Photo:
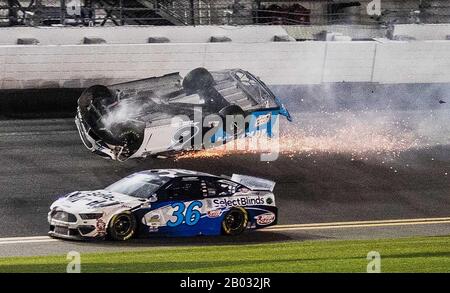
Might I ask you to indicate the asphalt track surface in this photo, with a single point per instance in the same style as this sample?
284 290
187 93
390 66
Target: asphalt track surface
43 159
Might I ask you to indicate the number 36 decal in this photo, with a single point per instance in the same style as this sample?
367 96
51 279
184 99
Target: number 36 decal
191 217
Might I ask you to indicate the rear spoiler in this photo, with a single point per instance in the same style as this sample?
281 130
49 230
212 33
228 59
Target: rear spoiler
283 110
254 183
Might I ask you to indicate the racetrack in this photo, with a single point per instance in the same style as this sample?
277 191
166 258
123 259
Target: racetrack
42 159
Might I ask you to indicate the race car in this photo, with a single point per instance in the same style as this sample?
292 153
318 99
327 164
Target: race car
169 202
167 114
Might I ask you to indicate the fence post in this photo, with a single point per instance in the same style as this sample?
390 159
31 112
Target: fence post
63 12
122 21
192 6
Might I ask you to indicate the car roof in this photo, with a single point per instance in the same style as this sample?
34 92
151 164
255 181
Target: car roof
175 173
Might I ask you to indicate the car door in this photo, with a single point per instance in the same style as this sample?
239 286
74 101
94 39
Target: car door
179 207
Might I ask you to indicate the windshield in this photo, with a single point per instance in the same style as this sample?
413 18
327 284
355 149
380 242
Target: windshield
138 185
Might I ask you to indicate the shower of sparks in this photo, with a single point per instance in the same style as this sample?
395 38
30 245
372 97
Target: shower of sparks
359 134
357 137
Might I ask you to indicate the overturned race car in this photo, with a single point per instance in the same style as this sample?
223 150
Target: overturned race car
169 202
167 114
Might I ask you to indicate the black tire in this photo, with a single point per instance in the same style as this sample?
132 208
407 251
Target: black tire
197 79
129 134
98 95
235 221
122 226
232 110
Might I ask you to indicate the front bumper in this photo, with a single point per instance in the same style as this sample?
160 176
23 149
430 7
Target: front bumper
72 234
89 142
75 228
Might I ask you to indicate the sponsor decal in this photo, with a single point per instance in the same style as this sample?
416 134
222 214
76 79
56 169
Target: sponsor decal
262 119
155 219
126 206
101 226
244 190
94 199
269 200
238 201
214 213
145 205
153 229
265 219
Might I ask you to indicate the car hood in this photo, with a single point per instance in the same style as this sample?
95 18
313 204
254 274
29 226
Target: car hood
91 201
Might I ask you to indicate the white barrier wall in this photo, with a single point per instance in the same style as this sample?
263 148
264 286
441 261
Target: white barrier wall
423 32
412 62
350 62
139 34
284 63
83 65
355 31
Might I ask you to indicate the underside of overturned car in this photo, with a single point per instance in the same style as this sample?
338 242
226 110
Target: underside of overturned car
136 119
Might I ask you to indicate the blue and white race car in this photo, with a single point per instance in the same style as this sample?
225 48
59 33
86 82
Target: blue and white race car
169 114
171 202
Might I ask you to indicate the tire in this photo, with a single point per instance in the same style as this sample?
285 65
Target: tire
232 110
122 226
198 79
129 134
98 95
235 221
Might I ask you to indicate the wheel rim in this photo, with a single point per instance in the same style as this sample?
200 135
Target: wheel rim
123 225
233 220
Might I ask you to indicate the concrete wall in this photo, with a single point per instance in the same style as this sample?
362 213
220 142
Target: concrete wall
354 31
277 63
82 65
348 61
412 62
423 32
139 34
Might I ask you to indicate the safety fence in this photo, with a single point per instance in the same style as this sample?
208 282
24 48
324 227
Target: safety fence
220 12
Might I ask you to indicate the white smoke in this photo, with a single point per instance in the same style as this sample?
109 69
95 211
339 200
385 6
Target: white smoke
120 113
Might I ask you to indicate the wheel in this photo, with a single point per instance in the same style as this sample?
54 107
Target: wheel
93 103
197 79
129 135
98 96
122 226
233 110
235 221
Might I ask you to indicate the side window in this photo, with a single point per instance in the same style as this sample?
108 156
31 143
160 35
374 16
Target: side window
185 188
220 187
